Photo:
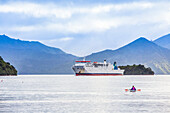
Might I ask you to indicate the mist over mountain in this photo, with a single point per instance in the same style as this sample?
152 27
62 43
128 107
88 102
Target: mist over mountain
163 41
140 51
31 57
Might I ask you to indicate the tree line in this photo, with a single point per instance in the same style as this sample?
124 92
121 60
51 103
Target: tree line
137 70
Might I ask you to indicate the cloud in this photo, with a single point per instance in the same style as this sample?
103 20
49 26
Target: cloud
35 10
84 19
49 9
23 28
58 40
66 39
59 24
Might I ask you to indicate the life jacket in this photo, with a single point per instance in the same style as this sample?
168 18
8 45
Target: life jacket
133 88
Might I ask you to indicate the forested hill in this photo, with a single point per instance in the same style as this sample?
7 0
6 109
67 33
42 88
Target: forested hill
6 68
137 70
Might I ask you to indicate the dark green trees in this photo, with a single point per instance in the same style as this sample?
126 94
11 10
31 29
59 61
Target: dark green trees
137 70
6 68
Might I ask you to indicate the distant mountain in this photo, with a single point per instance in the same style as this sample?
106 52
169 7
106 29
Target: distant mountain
163 41
140 51
31 57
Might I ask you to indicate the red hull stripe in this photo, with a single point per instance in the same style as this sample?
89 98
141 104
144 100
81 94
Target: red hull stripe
98 74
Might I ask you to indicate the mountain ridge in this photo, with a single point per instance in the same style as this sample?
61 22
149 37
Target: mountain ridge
163 41
33 57
19 44
140 51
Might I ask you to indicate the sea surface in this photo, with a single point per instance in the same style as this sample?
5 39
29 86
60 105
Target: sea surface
84 94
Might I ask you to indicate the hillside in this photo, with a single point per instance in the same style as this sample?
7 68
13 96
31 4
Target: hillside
140 51
6 68
137 70
32 57
163 41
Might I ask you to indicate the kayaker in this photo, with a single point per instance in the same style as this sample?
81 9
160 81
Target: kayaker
133 88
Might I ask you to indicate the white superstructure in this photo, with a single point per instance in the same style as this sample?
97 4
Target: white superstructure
96 68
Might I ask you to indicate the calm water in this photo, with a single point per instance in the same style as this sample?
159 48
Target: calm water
70 94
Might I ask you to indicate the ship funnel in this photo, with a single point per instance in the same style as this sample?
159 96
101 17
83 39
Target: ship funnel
104 61
115 67
114 63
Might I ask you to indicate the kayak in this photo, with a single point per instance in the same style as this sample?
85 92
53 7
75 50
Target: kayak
132 90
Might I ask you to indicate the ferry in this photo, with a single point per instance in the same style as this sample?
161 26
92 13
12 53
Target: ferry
88 68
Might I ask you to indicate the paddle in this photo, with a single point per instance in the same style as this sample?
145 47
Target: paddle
129 90
138 89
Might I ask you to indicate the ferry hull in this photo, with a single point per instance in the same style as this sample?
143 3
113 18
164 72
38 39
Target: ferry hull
99 74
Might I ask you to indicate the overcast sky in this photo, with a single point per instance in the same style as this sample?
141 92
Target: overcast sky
82 27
